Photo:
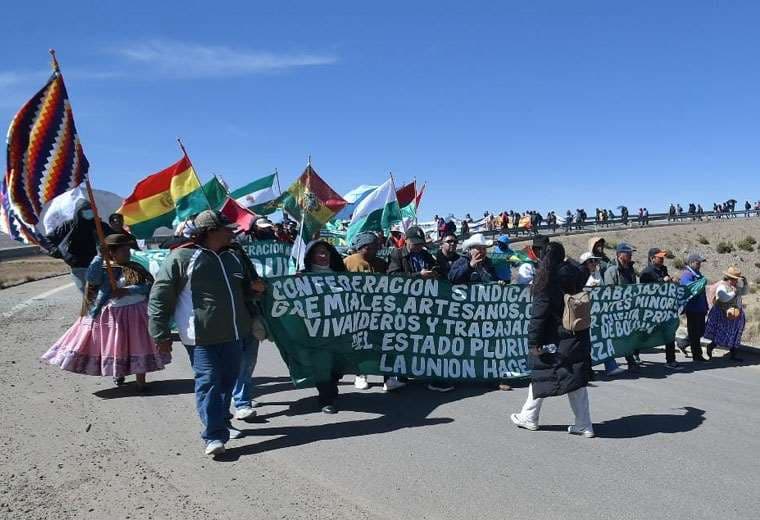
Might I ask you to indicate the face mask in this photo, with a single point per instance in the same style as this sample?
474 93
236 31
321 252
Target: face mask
88 214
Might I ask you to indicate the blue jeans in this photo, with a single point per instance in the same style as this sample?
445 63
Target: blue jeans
216 368
241 394
610 364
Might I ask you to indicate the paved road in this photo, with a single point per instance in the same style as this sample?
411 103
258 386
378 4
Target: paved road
670 445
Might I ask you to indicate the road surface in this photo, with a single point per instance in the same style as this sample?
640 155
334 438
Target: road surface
674 446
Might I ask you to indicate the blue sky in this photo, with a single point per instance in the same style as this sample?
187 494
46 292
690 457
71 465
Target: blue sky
497 105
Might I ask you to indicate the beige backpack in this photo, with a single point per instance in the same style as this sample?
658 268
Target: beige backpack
577 314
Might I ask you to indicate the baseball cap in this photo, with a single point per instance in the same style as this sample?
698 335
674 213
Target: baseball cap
695 257
624 247
415 235
503 240
656 251
210 219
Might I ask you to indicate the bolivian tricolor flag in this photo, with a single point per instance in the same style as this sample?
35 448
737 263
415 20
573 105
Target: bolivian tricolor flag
165 197
311 200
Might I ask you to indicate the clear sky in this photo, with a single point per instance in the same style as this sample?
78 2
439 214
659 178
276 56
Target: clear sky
497 105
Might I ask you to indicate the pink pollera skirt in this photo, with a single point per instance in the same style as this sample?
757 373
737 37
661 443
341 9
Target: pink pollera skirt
115 343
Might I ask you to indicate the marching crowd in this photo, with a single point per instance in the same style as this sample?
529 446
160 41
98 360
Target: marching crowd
208 290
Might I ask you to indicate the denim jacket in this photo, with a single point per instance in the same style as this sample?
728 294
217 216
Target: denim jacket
98 277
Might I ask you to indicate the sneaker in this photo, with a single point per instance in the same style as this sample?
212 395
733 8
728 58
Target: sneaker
710 349
673 366
215 448
520 423
360 383
245 412
118 381
234 433
683 350
504 387
329 409
616 371
440 388
393 384
572 430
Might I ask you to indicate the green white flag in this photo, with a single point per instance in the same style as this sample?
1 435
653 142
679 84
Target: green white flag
259 196
216 193
376 212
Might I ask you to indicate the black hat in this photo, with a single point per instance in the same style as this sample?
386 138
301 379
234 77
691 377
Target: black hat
415 235
117 240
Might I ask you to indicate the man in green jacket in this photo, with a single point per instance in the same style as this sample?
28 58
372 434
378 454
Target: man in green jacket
204 289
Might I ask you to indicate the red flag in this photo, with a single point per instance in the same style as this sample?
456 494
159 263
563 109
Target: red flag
406 194
238 214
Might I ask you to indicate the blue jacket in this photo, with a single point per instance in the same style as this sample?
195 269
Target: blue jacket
698 304
98 277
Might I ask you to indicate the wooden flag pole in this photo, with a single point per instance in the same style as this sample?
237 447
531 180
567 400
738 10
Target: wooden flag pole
91 196
195 173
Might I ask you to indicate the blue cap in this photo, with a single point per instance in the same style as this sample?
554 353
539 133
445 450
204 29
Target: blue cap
503 240
624 247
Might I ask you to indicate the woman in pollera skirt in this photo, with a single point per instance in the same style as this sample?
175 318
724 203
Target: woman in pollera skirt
111 337
726 320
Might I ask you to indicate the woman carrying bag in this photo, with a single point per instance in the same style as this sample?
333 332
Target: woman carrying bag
561 358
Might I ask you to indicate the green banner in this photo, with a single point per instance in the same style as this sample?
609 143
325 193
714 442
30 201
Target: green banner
270 257
361 323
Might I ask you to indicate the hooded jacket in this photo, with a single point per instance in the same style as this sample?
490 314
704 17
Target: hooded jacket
604 260
206 293
336 261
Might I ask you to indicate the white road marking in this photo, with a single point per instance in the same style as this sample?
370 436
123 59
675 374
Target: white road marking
34 299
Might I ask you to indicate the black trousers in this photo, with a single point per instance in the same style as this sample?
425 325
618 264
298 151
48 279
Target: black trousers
695 325
670 352
328 390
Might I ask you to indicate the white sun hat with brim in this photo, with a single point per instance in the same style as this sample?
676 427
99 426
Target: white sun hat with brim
476 240
585 257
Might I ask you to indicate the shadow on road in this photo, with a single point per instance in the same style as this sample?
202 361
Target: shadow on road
657 369
393 415
642 425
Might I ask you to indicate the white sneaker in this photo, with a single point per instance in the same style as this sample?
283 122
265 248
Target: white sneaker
215 448
589 433
360 383
520 423
616 371
393 384
235 433
245 412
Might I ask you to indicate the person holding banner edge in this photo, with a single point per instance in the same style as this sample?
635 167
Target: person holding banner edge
321 257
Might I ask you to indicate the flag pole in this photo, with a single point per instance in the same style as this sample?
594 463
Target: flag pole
395 194
195 173
91 197
277 178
